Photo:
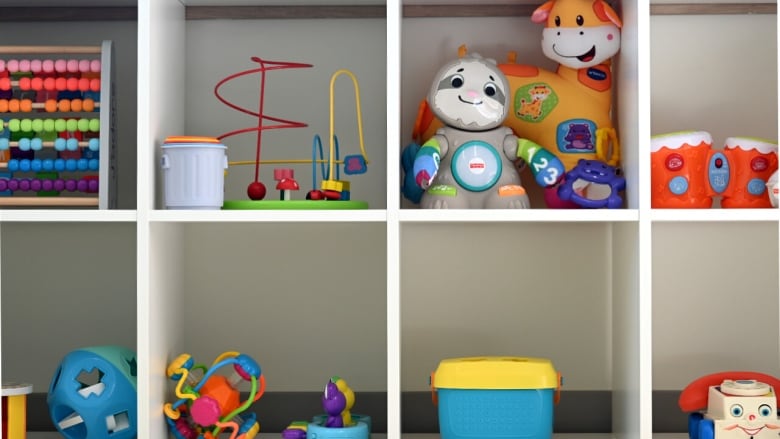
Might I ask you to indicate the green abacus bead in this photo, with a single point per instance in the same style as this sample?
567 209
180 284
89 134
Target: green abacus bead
72 125
13 125
37 125
83 125
26 125
94 125
48 125
59 125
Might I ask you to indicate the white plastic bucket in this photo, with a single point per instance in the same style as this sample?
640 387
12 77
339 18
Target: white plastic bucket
194 175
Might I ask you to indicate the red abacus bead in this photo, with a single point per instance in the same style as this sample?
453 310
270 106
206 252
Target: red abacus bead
60 84
256 191
73 84
49 84
24 83
36 84
84 84
94 84
5 83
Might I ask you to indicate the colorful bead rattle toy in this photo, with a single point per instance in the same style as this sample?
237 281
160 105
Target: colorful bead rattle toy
209 402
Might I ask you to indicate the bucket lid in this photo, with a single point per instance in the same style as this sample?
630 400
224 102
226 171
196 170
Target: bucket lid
494 372
192 141
678 139
15 389
751 143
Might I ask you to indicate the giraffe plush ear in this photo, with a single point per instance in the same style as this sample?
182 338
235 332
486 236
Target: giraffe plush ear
605 13
541 13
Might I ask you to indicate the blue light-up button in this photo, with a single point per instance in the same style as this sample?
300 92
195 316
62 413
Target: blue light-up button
756 186
678 185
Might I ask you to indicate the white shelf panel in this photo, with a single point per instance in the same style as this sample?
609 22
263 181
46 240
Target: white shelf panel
529 215
268 216
716 215
48 215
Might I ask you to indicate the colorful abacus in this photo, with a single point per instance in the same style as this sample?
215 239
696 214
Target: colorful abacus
65 158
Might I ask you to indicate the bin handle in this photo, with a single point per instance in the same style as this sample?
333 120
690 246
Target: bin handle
557 396
164 162
434 395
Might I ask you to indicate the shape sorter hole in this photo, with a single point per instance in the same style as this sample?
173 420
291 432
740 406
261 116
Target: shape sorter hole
117 422
91 382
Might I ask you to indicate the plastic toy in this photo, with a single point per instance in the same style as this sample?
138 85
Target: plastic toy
495 397
752 161
567 110
773 189
728 405
93 394
208 402
338 420
331 187
15 410
589 173
471 161
194 172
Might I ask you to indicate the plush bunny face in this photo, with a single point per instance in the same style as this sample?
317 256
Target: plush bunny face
470 94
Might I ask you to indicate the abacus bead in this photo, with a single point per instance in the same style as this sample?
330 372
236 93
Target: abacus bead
89 104
94 164
72 124
58 185
73 84
84 84
24 83
2 65
59 165
37 125
76 104
48 125
60 65
47 185
26 125
83 124
94 144
73 65
59 125
47 66
94 84
60 84
13 125
5 83
82 164
12 65
35 185
3 105
24 65
84 65
70 185
24 144
47 164
49 84
36 165
24 165
13 184
13 105
59 144
36 83
36 144
94 125
65 105
70 165
26 105
13 165
82 185
94 185
24 184
3 184
50 106
72 144
94 65
36 65
4 144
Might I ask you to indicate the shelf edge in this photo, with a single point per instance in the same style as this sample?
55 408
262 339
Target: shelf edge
119 13
713 8
283 12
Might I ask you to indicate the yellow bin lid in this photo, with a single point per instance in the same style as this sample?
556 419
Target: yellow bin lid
495 373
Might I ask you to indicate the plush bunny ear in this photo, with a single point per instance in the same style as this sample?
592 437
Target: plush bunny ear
542 12
605 12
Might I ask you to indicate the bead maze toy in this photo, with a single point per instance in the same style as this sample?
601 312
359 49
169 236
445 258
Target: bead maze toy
332 192
93 394
57 126
209 402
338 421
15 410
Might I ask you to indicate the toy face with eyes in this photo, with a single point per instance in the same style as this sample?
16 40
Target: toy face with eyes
579 33
471 94
741 416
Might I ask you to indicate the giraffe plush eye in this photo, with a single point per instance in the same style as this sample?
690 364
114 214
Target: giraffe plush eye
557 20
580 20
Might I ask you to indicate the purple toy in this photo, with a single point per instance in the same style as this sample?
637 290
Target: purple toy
334 402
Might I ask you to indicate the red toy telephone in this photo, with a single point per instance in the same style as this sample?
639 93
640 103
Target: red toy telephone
694 395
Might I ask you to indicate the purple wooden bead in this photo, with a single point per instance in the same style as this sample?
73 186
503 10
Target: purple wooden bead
35 184
24 184
82 185
59 185
13 184
70 185
94 186
47 185
3 185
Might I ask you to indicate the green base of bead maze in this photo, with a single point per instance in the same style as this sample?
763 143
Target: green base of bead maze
293 205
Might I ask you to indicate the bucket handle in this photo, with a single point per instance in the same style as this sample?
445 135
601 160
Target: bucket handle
165 162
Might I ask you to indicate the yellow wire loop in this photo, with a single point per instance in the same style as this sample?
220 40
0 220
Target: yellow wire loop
332 114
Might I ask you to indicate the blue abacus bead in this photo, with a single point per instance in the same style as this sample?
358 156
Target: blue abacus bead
72 144
24 144
36 165
71 164
94 164
94 144
13 165
48 164
59 144
4 145
59 165
24 165
36 144
82 164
